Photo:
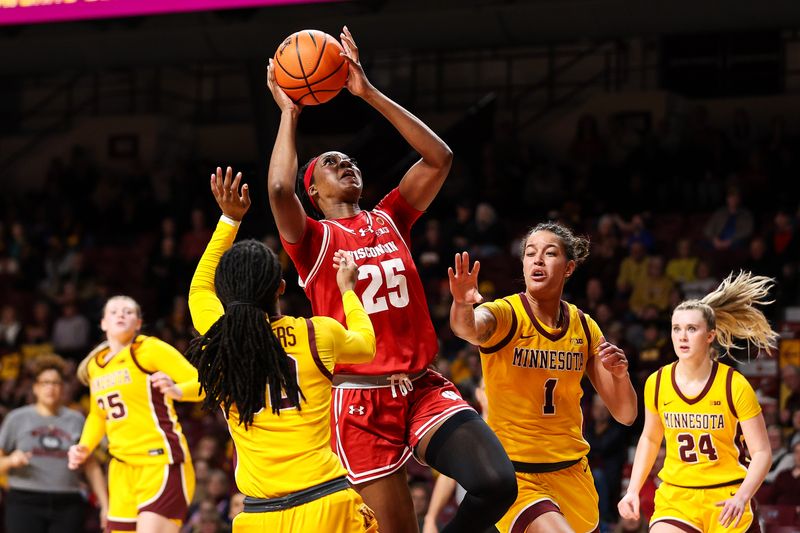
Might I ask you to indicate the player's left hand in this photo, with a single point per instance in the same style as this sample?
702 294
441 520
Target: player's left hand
732 510
226 192
357 82
613 358
166 386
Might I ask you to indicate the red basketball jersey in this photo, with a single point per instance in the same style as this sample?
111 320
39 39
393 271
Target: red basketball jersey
388 281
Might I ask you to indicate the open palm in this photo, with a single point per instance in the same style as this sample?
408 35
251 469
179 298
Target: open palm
463 282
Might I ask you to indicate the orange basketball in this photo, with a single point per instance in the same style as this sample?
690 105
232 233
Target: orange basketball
308 67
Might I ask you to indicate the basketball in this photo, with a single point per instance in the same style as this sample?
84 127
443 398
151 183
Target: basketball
309 67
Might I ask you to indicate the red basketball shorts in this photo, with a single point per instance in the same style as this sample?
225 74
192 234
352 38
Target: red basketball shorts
374 431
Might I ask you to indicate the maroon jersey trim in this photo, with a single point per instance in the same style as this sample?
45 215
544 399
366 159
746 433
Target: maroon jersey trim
159 404
692 401
552 336
587 332
500 345
729 391
312 344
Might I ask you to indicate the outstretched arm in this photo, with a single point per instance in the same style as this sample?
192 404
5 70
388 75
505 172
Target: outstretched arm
422 182
473 325
204 306
290 217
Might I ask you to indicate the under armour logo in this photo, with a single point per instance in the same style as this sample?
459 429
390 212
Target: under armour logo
450 395
356 409
364 231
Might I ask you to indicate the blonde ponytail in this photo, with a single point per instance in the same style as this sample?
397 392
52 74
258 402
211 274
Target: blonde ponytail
83 366
731 311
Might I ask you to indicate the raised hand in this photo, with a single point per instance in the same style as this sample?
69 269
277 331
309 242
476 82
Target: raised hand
463 283
613 358
357 82
281 98
226 192
166 385
347 270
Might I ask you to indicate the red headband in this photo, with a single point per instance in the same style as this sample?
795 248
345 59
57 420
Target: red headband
307 180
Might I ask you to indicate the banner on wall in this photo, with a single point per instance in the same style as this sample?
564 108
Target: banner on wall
14 12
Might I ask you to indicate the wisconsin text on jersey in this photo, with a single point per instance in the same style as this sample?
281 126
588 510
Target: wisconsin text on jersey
548 359
374 251
120 377
694 421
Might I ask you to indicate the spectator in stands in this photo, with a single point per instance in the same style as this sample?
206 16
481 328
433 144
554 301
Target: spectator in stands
702 284
786 487
166 270
609 446
632 269
758 260
682 267
420 497
594 297
636 231
790 377
588 148
784 241
652 290
782 459
44 494
485 232
194 241
71 332
10 326
730 226
37 333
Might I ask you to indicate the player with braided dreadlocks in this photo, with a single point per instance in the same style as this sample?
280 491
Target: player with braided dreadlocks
248 351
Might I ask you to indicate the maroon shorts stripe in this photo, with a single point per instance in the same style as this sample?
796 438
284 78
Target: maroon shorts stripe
171 503
675 523
111 525
532 513
312 344
166 425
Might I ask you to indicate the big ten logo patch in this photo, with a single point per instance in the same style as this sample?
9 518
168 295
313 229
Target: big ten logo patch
450 395
577 340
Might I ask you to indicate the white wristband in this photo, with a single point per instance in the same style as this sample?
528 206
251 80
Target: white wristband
228 220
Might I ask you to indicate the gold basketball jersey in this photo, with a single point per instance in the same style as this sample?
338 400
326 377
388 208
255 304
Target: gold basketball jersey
533 380
140 422
705 446
285 453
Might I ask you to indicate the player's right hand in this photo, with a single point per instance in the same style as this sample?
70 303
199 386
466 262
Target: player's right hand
281 98
18 458
226 193
347 270
463 283
628 506
76 456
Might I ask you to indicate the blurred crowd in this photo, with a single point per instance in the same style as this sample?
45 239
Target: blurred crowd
670 209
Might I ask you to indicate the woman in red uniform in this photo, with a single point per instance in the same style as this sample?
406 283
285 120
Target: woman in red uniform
394 406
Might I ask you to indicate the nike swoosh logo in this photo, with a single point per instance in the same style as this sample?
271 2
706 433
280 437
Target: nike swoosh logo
667 403
527 336
733 494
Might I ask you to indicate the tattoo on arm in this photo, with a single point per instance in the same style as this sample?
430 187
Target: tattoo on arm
485 324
